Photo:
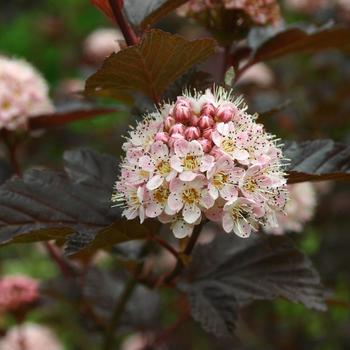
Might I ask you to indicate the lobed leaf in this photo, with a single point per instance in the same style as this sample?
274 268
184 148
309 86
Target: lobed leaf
295 40
317 161
148 67
234 271
73 205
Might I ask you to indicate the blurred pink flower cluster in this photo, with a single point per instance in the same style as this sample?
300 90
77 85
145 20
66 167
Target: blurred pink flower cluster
23 93
299 209
102 43
17 292
30 336
261 12
203 156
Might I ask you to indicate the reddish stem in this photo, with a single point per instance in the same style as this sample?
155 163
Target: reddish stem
167 333
128 32
54 253
166 246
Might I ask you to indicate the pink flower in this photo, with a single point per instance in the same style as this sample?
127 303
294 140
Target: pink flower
157 163
190 197
189 159
17 292
23 93
224 178
240 216
30 336
231 140
227 166
298 211
102 43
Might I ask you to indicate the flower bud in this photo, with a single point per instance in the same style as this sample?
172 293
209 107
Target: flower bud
182 110
207 133
192 133
168 123
226 113
194 120
208 109
177 129
174 138
205 122
162 136
206 145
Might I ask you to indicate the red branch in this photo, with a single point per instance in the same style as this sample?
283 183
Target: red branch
128 32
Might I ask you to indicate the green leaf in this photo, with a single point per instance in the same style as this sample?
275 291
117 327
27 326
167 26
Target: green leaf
147 12
317 160
233 271
148 67
296 40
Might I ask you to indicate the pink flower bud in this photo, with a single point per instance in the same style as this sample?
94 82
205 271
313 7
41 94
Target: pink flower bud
206 145
162 136
206 122
168 123
194 120
177 129
174 138
192 133
226 113
182 110
208 109
207 133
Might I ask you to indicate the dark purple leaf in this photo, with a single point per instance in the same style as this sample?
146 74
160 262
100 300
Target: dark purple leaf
317 161
149 67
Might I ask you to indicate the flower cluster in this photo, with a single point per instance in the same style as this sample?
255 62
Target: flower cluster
299 209
101 43
17 292
260 12
30 336
23 93
203 156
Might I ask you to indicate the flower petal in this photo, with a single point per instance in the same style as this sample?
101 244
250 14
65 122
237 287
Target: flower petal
191 213
187 176
175 202
154 182
181 229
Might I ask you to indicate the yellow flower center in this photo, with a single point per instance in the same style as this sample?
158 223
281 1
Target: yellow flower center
228 145
6 105
190 162
190 196
134 199
161 194
163 167
220 179
250 185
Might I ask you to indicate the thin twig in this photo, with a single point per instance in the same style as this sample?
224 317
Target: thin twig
187 251
129 288
55 255
129 34
166 246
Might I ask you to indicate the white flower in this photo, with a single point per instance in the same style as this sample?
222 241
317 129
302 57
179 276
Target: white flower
202 155
23 93
30 336
189 159
190 197
241 216
157 163
224 178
